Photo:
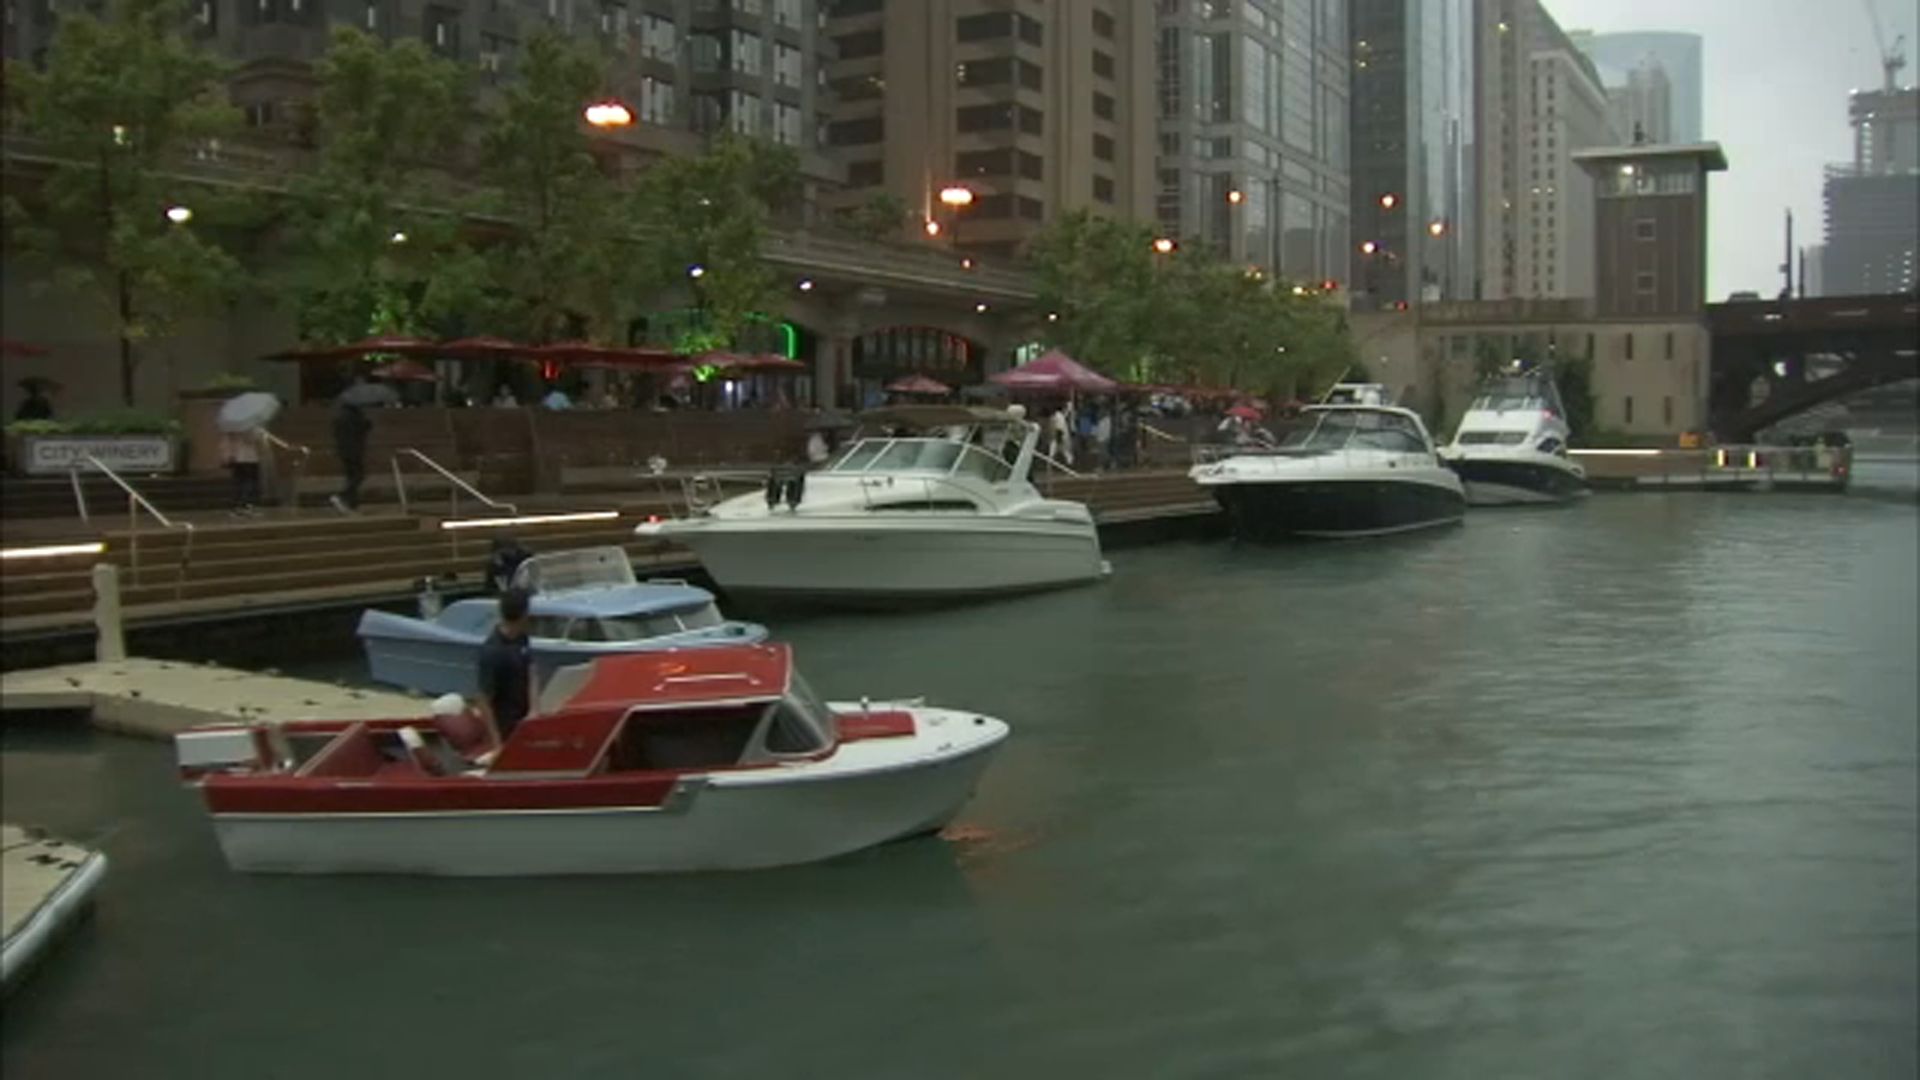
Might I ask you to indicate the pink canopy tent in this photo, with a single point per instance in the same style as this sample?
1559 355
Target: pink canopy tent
918 384
1055 370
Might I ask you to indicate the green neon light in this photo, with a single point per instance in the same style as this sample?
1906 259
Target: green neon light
792 339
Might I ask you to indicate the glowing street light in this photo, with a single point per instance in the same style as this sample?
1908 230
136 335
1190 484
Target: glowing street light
1369 248
1163 245
399 238
1438 228
696 272
933 228
179 215
607 114
1389 201
1236 197
981 308
956 196
806 284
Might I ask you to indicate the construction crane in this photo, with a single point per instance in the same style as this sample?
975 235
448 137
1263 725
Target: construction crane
1891 60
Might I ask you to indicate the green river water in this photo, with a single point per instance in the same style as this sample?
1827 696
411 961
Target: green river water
1623 790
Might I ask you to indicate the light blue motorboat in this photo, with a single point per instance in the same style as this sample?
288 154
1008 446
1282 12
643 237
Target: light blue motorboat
585 603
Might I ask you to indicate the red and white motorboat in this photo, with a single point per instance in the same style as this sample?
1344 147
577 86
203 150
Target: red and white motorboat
712 758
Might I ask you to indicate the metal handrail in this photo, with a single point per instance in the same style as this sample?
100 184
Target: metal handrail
135 503
304 454
457 485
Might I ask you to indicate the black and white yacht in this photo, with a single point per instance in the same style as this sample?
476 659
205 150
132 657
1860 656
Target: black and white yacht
1355 465
1511 446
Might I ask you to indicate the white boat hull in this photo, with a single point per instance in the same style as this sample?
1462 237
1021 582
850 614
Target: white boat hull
932 556
744 820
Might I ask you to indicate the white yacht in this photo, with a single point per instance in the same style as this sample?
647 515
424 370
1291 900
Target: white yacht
1355 465
1511 446
933 502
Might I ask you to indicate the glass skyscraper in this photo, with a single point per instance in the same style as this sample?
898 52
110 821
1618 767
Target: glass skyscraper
1412 202
1617 56
1253 122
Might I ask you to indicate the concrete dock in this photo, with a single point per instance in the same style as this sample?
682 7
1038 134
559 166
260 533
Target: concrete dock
156 698
46 886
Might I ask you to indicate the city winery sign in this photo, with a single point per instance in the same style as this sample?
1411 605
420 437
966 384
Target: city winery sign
139 454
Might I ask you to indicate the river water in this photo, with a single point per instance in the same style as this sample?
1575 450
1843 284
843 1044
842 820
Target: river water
1623 790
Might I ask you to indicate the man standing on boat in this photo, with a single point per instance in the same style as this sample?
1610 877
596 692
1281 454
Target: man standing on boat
506 668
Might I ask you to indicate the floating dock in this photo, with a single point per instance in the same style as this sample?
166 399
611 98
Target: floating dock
46 887
157 698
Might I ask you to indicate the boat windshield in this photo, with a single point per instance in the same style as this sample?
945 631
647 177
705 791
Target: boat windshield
945 456
1359 430
1518 393
591 568
802 694
641 627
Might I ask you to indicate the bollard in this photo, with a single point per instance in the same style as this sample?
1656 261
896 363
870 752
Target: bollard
111 640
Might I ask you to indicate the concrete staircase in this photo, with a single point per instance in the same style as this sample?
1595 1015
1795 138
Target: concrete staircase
38 498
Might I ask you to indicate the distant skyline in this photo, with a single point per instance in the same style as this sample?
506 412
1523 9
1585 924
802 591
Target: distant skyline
1778 73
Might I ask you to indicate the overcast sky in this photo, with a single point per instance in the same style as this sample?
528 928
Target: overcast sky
1777 77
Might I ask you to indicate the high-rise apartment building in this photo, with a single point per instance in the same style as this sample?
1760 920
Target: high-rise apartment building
1413 164
1036 109
1873 205
1677 56
1641 109
1537 100
684 67
1253 131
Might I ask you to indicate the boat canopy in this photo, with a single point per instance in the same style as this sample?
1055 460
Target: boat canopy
923 417
587 568
1511 393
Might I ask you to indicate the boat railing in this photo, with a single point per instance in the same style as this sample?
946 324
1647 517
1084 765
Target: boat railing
301 455
136 503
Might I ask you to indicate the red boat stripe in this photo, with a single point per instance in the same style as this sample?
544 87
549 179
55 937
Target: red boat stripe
855 727
302 795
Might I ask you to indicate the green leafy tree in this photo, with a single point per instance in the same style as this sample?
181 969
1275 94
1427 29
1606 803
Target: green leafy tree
1099 275
571 251
121 99
704 222
879 216
375 229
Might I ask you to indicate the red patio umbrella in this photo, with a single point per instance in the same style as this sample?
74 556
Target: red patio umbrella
10 347
1055 370
918 384
588 354
406 371
1246 412
397 346
750 361
481 348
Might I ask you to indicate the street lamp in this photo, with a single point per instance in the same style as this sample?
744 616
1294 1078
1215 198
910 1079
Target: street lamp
956 196
1236 197
1369 248
609 114
1389 201
1438 228
1163 245
179 215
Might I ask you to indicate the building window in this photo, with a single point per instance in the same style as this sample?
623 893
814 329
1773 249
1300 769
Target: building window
656 101
1666 411
866 174
984 163
857 132
1030 121
1032 209
786 124
372 19
1103 147
846 9
443 30
786 65
988 27
1102 106
1030 75
1032 167
858 88
1103 189
656 38
1643 229
1102 23
746 52
995 72
1669 344
857 46
1643 283
1626 410
786 13
1103 65
984 118
744 113
706 51
613 21
747 7
1629 345
1030 30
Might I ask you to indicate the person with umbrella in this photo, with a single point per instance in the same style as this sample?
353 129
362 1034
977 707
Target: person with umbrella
242 421
351 428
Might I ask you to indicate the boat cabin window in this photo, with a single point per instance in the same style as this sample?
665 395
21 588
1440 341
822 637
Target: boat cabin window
549 626
1491 438
1338 429
965 455
589 569
1552 445
642 627
709 737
